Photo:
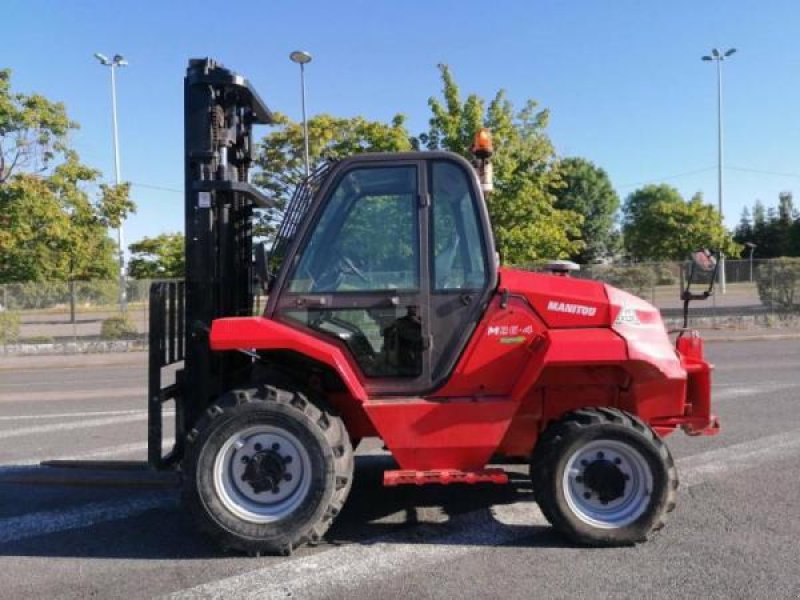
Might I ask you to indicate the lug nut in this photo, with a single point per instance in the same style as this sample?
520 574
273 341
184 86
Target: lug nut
258 447
245 459
579 479
275 489
287 459
627 477
287 477
585 463
587 495
617 461
276 446
600 455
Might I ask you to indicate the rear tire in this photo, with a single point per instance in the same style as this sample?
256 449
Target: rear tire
602 477
266 470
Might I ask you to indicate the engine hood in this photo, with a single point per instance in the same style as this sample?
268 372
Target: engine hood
570 302
560 301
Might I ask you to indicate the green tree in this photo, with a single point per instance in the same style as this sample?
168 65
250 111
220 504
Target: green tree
587 190
115 204
658 224
161 257
528 226
51 229
33 130
280 156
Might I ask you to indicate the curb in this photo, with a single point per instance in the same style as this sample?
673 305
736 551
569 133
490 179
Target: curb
754 338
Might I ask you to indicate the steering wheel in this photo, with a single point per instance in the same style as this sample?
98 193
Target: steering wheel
352 268
331 277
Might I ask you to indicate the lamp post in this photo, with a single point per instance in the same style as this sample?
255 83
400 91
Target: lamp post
752 248
114 62
718 56
302 58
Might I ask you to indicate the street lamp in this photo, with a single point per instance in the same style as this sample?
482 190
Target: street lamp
718 56
301 58
752 248
116 61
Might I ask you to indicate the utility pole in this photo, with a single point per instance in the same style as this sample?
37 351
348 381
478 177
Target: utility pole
113 63
718 56
302 58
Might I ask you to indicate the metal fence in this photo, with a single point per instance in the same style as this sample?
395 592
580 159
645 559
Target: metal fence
72 315
756 293
58 313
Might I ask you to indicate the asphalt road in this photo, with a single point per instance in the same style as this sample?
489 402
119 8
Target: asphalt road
735 533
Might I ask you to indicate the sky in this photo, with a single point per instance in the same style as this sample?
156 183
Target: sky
622 79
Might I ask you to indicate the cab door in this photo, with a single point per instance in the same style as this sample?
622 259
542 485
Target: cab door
462 261
359 275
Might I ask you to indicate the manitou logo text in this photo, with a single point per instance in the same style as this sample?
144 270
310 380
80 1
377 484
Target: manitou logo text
571 309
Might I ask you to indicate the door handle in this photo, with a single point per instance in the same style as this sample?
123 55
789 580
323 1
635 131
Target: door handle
312 301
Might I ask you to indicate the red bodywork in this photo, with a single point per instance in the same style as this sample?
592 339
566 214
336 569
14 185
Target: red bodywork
546 345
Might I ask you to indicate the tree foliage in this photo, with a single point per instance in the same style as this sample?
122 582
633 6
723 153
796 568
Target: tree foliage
658 224
33 130
774 232
280 156
51 229
160 257
587 190
527 224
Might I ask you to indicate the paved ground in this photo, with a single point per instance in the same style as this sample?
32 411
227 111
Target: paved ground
734 535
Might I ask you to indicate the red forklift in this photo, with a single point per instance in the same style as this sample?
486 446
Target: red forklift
389 316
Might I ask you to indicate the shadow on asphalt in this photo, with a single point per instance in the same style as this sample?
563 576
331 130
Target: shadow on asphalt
373 513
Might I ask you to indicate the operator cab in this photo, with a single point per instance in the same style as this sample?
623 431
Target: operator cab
395 262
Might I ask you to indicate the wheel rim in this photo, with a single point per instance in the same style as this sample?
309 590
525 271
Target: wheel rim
608 484
262 474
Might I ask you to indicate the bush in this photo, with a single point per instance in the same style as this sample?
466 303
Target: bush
36 294
636 279
9 327
96 293
117 328
37 339
667 273
778 283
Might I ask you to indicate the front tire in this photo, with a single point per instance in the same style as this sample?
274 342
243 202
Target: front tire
603 478
266 470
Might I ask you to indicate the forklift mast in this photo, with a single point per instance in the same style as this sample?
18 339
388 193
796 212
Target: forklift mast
220 109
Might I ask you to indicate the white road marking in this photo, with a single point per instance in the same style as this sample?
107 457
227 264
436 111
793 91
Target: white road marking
107 452
73 415
729 393
55 521
747 455
100 422
62 382
322 574
128 392
327 573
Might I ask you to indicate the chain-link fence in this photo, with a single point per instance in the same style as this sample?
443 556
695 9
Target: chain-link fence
80 315
758 293
72 314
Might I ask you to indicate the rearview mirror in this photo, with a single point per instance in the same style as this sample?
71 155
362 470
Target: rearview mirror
702 273
704 261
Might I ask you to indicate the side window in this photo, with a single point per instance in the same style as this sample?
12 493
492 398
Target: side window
458 251
385 341
367 237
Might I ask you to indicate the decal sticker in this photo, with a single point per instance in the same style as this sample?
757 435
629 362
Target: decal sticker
627 316
513 340
509 330
572 309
